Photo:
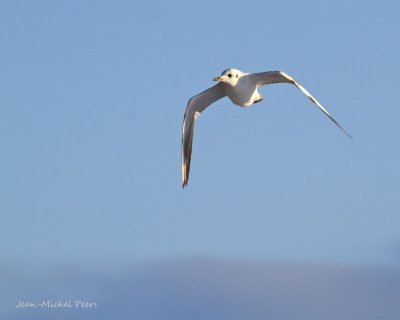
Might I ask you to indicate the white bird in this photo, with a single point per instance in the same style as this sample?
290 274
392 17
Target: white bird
242 89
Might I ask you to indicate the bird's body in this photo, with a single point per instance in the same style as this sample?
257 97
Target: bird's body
244 93
242 89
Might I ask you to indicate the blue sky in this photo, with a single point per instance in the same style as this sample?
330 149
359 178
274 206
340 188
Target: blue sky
92 99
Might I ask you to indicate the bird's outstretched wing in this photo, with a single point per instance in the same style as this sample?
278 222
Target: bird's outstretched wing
269 77
195 105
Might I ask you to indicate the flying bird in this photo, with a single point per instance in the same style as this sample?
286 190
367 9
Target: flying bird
242 89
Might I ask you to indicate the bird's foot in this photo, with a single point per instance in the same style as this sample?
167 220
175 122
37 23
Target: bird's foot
259 100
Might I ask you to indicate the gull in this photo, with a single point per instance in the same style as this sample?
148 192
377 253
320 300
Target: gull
242 89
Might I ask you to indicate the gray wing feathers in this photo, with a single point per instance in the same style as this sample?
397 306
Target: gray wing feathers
269 77
194 107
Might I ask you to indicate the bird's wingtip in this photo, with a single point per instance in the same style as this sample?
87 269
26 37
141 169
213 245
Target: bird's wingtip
347 134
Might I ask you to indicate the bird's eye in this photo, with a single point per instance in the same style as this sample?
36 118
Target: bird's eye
237 75
229 75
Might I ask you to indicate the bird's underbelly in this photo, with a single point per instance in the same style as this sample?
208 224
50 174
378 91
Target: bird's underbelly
245 97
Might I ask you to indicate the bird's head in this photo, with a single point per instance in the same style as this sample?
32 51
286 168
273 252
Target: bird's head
230 76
